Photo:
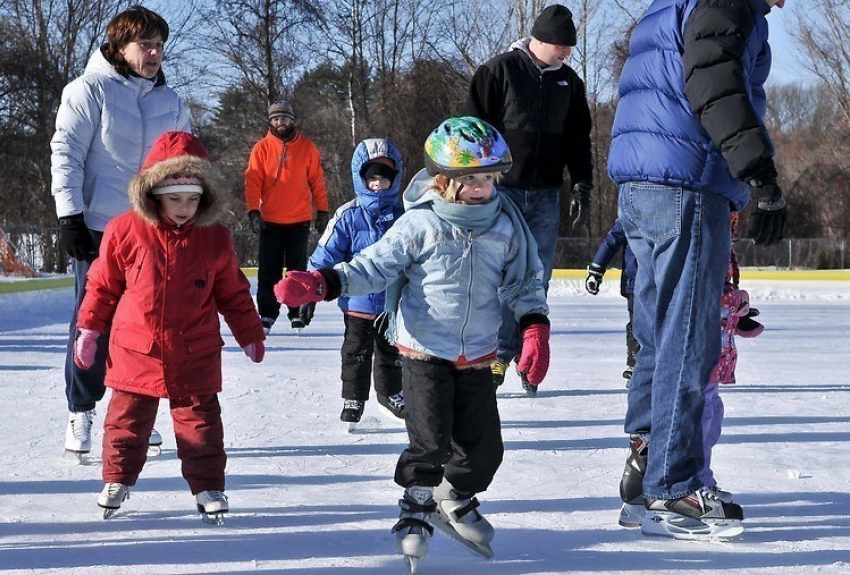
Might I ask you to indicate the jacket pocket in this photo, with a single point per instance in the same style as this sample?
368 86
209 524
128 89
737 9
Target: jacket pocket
132 340
204 343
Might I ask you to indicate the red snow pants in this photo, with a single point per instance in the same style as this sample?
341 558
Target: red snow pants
198 430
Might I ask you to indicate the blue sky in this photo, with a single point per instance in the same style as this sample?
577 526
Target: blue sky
787 64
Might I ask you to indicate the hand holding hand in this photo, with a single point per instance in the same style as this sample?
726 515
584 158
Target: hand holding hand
299 288
256 351
85 348
534 361
593 281
580 203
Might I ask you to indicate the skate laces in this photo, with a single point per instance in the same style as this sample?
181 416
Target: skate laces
212 497
397 399
81 423
352 404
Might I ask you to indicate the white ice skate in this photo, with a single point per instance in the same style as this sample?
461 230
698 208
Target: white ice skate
111 498
78 434
701 516
212 505
154 444
413 531
458 518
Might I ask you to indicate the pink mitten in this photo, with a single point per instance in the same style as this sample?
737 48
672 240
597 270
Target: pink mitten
85 347
747 326
534 361
256 351
299 288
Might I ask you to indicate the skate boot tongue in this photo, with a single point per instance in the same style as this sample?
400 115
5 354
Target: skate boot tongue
413 531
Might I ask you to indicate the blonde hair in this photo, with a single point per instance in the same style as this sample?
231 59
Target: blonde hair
442 185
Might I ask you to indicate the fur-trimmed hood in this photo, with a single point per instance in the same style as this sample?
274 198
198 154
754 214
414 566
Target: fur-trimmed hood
213 200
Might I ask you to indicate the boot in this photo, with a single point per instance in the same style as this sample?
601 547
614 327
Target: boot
413 531
460 511
631 484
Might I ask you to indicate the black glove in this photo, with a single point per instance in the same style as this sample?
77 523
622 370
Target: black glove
321 221
257 222
580 203
75 238
306 311
594 278
767 220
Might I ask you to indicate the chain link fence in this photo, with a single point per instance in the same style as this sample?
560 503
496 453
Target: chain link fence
39 247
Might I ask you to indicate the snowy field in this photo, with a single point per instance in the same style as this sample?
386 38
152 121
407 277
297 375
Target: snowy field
308 498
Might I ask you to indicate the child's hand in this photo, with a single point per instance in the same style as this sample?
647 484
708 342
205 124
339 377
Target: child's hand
85 348
299 288
256 351
534 361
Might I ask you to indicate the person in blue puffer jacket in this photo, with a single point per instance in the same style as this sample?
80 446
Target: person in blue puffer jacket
688 145
376 171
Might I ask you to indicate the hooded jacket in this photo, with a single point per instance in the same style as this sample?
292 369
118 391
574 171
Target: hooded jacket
692 98
362 221
451 302
542 114
158 288
104 128
284 180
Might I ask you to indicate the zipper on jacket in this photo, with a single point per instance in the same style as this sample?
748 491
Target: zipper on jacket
541 103
468 296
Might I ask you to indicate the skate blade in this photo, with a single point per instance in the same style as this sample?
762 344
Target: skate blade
688 528
76 457
632 515
109 512
213 518
412 563
443 527
351 426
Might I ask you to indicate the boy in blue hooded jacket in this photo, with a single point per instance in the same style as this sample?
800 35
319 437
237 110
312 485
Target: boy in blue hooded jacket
376 171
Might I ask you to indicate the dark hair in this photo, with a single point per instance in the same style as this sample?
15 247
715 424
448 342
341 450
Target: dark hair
136 22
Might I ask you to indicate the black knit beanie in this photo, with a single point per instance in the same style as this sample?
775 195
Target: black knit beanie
555 26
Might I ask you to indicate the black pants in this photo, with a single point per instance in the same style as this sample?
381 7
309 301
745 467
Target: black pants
280 244
452 424
632 345
363 340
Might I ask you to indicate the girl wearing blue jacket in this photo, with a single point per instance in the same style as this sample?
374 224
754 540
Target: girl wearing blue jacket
457 254
376 171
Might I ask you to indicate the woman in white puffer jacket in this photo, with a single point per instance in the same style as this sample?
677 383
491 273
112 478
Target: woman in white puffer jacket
108 120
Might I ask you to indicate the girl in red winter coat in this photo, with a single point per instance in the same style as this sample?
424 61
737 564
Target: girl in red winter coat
165 271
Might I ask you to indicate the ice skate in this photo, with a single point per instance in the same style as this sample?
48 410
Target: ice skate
78 435
529 388
267 324
458 518
111 498
631 484
154 444
627 374
724 496
499 369
700 516
352 411
297 325
212 505
393 403
413 531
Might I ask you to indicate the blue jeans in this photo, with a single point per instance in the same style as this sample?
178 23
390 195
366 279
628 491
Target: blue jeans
682 243
84 387
541 210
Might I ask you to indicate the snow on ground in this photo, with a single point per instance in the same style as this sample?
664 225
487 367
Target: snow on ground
308 498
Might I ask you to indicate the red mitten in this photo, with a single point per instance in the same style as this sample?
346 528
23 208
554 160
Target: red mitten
85 348
534 361
299 288
256 351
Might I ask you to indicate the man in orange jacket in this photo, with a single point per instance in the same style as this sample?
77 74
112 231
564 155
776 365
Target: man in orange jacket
283 183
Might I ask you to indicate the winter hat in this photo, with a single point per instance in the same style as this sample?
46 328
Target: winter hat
281 108
383 167
178 185
173 145
555 25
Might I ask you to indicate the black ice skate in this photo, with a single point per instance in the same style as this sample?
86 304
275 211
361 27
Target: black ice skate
631 484
212 505
413 530
457 518
352 411
698 516
393 403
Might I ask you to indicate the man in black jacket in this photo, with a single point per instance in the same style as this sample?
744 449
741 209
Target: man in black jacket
539 104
